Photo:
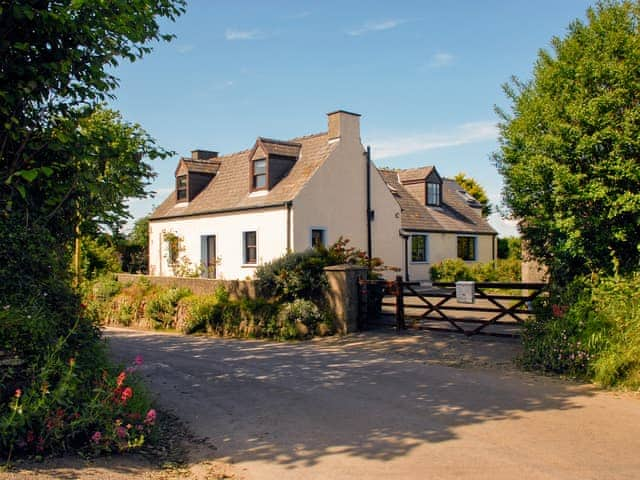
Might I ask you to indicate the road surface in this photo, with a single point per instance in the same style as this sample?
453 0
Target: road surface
380 406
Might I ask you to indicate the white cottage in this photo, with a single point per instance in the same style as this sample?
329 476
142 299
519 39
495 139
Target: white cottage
231 213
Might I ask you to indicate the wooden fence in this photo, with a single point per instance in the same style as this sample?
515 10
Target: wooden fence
495 308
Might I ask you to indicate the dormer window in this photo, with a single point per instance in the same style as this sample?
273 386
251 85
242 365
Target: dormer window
181 188
434 193
259 174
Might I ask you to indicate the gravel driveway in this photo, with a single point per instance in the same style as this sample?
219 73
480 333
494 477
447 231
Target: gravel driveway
385 406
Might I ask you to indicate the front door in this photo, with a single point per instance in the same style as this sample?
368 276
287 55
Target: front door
210 258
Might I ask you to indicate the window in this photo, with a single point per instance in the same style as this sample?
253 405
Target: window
467 248
318 237
250 248
259 174
419 248
433 194
181 187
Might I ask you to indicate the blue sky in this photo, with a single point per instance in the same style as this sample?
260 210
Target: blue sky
425 76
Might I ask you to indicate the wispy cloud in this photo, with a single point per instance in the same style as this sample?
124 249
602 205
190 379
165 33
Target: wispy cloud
375 27
460 135
232 34
440 60
184 48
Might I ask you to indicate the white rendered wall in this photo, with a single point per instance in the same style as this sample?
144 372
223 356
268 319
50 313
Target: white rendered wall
270 225
445 245
335 199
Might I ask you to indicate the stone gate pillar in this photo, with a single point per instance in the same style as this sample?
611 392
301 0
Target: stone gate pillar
342 295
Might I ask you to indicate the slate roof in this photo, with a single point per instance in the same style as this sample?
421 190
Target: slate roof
454 215
229 189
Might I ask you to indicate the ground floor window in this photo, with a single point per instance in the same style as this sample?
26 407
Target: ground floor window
318 237
467 248
250 248
419 248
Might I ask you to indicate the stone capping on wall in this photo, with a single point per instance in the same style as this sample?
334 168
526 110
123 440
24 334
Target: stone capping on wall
341 296
200 286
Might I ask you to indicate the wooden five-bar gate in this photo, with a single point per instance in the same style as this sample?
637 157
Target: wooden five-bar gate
493 308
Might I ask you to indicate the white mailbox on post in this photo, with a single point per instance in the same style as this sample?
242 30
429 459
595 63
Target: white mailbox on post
465 292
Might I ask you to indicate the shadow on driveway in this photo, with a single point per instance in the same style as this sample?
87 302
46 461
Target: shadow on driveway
370 396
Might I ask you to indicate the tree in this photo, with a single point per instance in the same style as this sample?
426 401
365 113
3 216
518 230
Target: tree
570 146
474 189
54 60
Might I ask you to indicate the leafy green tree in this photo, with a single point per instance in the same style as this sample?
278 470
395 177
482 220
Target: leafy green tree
570 145
55 58
135 249
473 188
510 247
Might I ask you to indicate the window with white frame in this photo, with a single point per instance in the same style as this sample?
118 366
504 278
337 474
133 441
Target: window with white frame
419 252
318 237
467 247
250 248
433 193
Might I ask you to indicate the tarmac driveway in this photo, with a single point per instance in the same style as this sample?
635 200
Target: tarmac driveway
383 406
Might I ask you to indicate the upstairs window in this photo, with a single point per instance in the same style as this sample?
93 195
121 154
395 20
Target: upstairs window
250 248
433 193
259 181
467 248
181 188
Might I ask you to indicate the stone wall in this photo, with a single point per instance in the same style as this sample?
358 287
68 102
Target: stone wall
199 286
341 296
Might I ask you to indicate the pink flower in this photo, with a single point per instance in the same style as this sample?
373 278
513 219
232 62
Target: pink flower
121 432
137 360
18 393
127 393
96 437
559 310
150 419
121 378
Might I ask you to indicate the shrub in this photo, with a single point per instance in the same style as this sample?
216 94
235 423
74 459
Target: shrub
591 329
128 306
194 312
455 270
341 253
294 275
160 309
297 319
76 403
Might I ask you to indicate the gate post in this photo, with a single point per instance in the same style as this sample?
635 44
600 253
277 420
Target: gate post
399 292
343 295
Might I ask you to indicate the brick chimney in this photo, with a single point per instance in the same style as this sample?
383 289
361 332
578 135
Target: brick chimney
203 154
343 124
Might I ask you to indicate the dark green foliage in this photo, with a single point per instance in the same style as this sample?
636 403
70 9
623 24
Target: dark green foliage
99 257
134 251
510 247
341 253
161 308
294 275
591 329
455 270
65 162
570 147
